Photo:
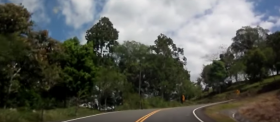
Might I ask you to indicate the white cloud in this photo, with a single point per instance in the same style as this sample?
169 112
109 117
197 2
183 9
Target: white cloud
199 26
36 7
78 12
82 38
275 20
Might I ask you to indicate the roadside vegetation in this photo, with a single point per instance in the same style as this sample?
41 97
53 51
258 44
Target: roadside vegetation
251 64
44 80
53 115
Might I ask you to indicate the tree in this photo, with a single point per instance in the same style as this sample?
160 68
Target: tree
109 80
214 75
205 74
12 53
14 18
168 62
104 36
270 58
131 59
247 38
236 68
255 62
78 66
217 74
274 43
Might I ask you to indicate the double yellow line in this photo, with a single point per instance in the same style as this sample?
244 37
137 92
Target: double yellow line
147 116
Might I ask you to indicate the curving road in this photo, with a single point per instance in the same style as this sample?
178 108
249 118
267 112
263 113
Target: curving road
177 114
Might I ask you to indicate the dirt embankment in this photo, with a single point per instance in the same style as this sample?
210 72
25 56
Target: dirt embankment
266 110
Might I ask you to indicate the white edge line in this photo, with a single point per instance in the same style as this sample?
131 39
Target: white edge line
206 106
94 115
90 116
233 115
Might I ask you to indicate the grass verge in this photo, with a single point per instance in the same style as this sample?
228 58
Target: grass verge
218 117
56 115
49 115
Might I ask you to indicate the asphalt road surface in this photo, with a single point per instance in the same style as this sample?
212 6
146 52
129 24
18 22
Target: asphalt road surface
177 114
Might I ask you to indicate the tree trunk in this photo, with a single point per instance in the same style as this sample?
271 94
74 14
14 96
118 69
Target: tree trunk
99 98
10 86
8 95
93 103
65 103
162 92
140 88
105 102
77 106
42 115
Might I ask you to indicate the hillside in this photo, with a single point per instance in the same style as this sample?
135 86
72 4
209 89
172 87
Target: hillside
258 102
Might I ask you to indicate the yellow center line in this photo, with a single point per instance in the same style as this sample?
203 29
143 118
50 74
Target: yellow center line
147 116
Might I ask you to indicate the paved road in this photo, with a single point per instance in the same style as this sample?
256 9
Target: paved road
178 114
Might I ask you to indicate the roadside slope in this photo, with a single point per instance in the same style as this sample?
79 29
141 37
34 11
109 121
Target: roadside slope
247 106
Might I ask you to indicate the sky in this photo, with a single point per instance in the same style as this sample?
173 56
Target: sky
201 27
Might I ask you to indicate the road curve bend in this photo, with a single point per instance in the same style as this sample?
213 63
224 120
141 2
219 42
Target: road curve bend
177 114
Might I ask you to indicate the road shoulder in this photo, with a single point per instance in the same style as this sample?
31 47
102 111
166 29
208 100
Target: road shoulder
200 114
203 116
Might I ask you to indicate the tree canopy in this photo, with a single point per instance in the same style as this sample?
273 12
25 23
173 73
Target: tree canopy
40 72
34 66
252 54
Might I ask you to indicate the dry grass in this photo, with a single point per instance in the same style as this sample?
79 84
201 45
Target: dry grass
265 110
266 100
258 94
216 115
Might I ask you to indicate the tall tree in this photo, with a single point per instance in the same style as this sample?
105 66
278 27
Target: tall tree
246 38
104 37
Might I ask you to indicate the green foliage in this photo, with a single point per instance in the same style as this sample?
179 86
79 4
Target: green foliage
41 73
253 54
255 62
50 115
217 71
14 18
